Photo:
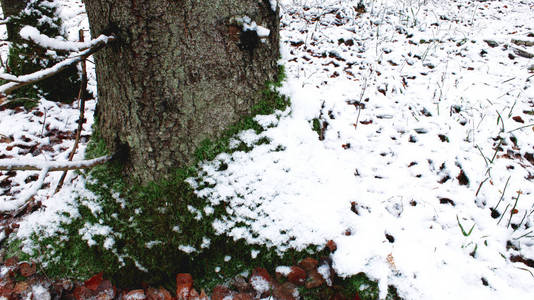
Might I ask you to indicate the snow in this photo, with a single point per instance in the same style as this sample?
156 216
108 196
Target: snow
187 249
324 270
89 231
260 284
413 96
248 24
284 270
40 292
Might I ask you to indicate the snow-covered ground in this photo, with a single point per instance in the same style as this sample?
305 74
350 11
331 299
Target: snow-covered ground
426 114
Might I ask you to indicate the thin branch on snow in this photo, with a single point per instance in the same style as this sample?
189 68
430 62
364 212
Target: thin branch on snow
81 99
26 196
23 80
51 166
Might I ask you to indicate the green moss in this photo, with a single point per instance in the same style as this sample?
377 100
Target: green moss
152 226
14 249
316 126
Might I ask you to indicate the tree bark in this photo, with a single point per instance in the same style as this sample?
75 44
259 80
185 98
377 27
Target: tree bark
179 72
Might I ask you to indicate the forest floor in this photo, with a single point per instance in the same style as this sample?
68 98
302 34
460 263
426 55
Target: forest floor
409 143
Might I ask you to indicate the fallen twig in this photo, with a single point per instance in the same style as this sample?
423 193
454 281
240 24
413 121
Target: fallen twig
52 166
22 201
81 99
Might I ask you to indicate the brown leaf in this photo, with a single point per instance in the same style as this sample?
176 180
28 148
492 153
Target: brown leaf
285 291
83 293
308 264
158 294
297 275
220 292
21 287
331 245
27 269
93 282
11 262
314 280
184 284
243 296
518 119
193 294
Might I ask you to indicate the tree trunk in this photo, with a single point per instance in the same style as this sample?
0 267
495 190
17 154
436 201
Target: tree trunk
181 71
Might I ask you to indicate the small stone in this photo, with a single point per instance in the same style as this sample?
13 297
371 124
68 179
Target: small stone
308 264
297 275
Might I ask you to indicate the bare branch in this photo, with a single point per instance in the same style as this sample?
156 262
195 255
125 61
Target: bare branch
81 99
4 21
23 80
51 166
26 196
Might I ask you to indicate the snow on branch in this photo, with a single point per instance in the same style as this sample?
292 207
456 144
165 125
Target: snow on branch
20 81
51 166
32 34
25 196
44 167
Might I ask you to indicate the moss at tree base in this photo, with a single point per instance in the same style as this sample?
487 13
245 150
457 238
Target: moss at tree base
147 234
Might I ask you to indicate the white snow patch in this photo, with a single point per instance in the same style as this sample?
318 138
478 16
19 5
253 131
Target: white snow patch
187 249
284 270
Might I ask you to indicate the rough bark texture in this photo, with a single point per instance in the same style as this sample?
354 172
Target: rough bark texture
181 71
